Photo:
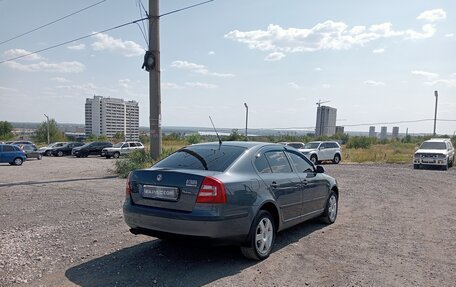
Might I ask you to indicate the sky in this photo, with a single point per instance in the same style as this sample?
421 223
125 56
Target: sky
375 61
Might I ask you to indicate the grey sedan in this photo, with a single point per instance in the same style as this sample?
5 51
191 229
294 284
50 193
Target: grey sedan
232 192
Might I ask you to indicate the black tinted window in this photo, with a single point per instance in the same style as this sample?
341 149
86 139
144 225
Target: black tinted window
296 145
262 165
299 163
8 148
208 157
278 162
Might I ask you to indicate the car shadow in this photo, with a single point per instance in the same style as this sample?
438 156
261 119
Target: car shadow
56 181
169 263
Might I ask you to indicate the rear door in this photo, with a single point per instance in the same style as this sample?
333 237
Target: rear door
8 153
285 185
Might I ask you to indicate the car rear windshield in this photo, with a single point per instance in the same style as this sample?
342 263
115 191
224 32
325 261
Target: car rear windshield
206 157
433 145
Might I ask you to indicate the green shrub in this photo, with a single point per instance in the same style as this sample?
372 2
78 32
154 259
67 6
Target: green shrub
360 142
137 159
194 139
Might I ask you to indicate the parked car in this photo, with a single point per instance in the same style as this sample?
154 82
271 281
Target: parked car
47 150
92 148
122 148
19 142
296 145
65 149
319 151
434 152
31 151
234 193
11 154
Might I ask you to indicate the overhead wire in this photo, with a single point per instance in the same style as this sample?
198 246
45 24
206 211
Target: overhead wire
52 22
106 30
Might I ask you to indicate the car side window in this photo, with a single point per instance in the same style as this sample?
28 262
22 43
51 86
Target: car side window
278 162
299 163
8 148
125 145
262 165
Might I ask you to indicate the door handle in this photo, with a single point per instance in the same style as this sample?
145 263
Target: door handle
274 184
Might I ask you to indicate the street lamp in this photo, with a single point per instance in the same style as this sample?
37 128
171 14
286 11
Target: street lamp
47 118
246 119
436 94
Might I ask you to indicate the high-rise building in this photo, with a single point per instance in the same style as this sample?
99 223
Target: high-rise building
109 116
395 132
372 133
383 133
340 130
326 121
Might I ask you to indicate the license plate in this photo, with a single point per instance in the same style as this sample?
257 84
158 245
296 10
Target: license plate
428 161
160 192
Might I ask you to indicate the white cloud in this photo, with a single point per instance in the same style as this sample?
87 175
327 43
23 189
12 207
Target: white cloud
211 53
318 69
326 86
60 80
77 47
293 85
328 35
171 86
13 53
87 89
432 15
378 51
125 83
196 68
449 35
434 79
274 56
373 83
62 67
5 89
200 85
428 75
125 48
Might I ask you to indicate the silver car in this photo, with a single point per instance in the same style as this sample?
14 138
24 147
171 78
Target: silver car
232 192
319 151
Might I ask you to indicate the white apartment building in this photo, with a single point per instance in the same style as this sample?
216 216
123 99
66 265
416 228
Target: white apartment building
108 116
326 121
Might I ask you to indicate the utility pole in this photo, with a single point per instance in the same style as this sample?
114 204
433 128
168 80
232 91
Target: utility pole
154 81
246 119
435 114
47 121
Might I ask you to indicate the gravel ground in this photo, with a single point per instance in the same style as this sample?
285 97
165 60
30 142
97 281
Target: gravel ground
61 225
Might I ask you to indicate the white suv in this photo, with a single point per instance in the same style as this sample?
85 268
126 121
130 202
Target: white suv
323 150
122 148
434 152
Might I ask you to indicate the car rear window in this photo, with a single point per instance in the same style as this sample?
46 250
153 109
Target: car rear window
206 157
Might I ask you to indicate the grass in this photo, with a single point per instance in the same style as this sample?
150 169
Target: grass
381 153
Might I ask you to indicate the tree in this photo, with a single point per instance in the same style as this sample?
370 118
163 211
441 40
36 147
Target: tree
6 129
41 132
119 136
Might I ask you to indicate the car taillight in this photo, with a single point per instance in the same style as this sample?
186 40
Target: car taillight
127 186
212 190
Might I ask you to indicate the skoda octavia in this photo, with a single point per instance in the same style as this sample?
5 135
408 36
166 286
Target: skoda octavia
239 193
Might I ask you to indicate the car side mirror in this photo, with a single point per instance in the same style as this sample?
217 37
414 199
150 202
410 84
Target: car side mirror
320 169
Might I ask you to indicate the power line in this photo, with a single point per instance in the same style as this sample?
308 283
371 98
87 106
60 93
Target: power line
103 31
50 23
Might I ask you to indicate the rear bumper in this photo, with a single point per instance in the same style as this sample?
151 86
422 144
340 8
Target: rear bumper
158 222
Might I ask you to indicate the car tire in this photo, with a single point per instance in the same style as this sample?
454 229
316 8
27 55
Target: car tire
336 159
116 155
261 238
314 159
446 166
416 166
331 209
39 157
60 153
18 161
47 153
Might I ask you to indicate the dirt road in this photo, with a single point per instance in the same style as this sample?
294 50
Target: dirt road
61 225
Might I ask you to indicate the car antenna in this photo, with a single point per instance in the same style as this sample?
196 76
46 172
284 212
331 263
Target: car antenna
220 140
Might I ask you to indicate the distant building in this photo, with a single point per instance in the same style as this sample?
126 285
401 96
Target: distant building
109 116
395 132
383 133
326 121
372 133
340 130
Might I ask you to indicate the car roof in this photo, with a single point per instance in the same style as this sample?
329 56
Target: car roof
438 140
247 145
